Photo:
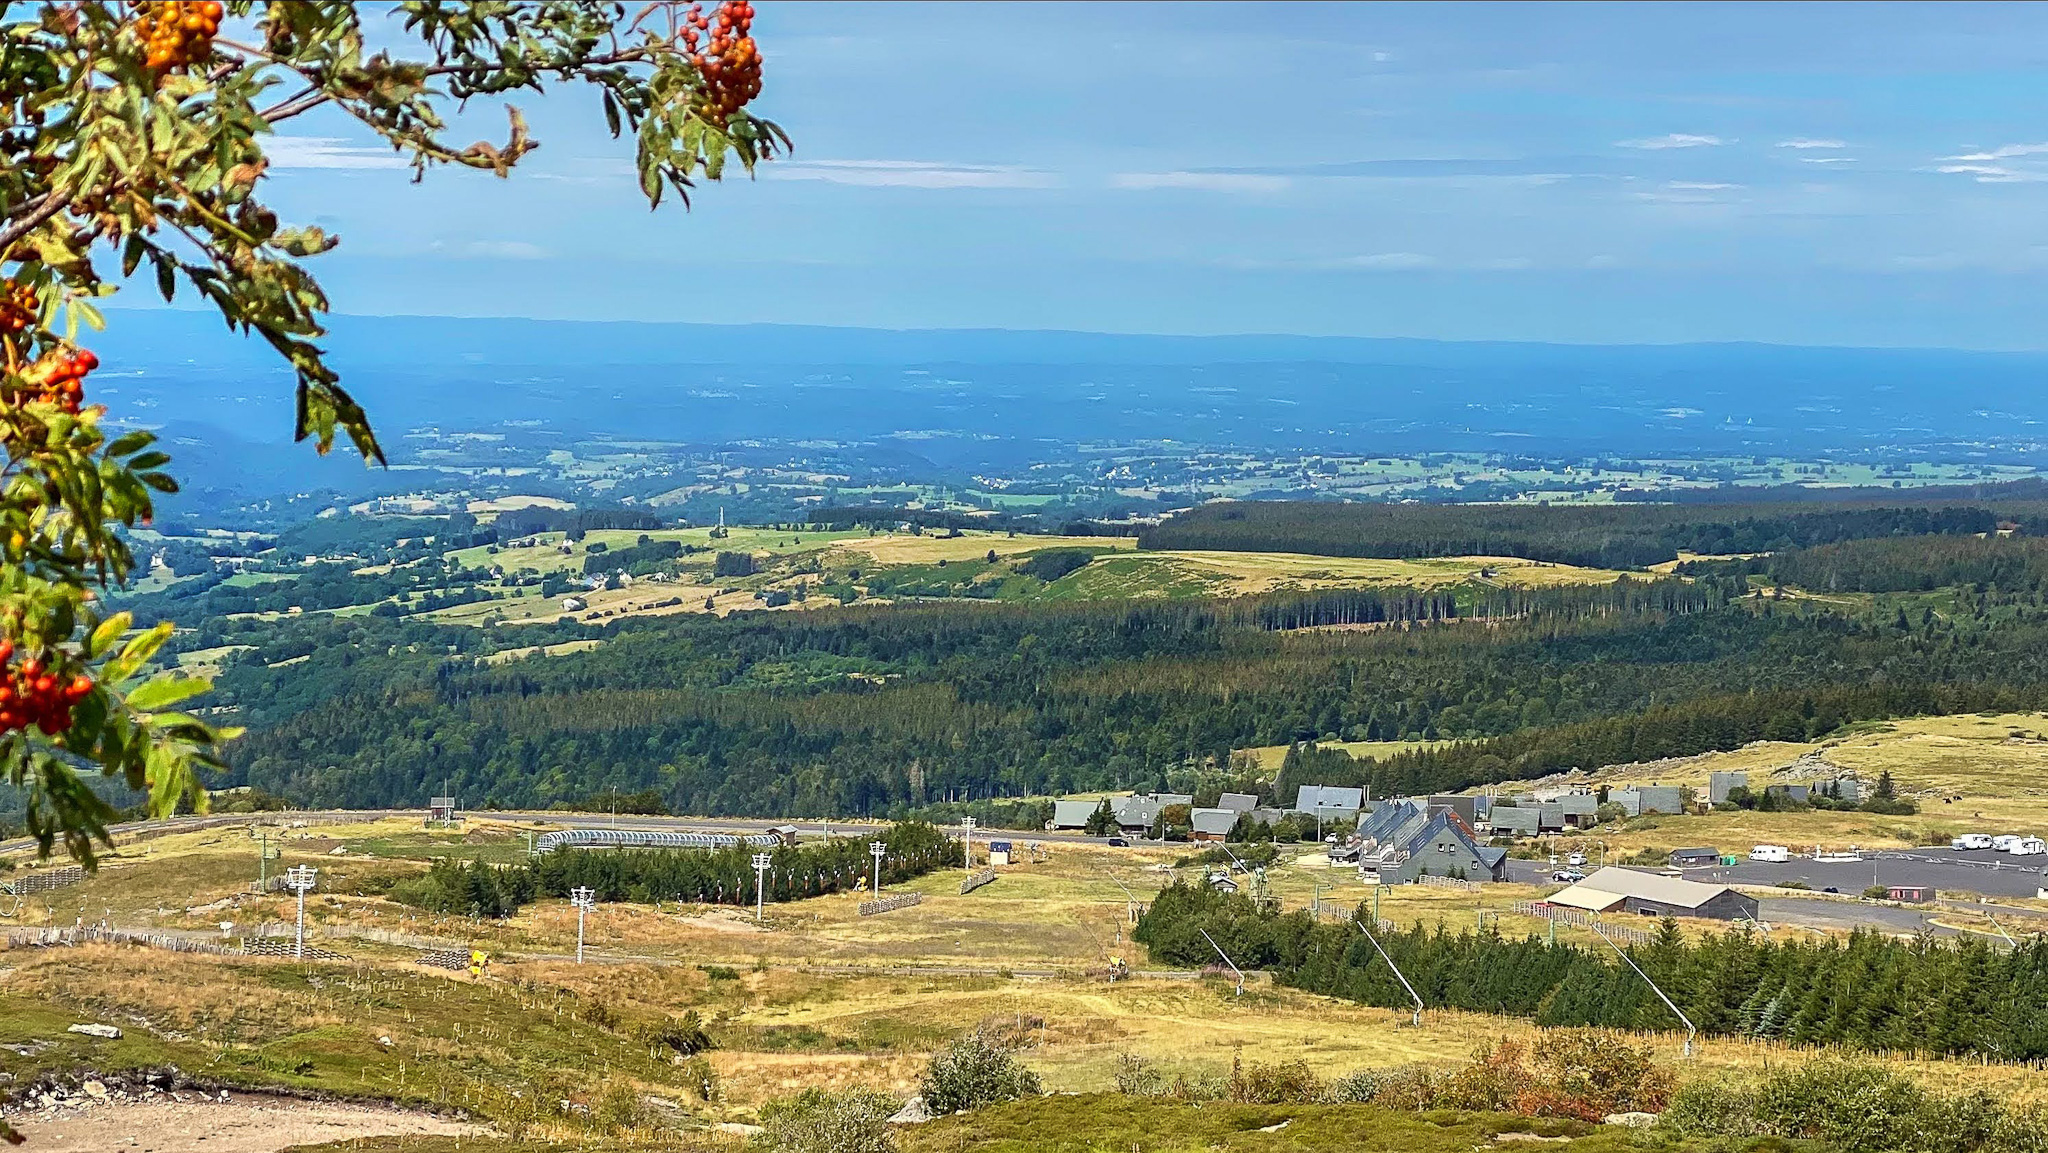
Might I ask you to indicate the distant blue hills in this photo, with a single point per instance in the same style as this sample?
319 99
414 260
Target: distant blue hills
968 396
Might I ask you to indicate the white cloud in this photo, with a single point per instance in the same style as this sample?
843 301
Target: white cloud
1205 181
1698 186
1803 142
1827 160
327 152
2007 152
1993 173
1671 140
911 174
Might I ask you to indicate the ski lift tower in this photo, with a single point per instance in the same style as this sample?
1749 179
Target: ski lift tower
299 879
761 861
585 899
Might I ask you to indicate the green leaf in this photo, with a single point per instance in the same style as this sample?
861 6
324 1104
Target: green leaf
107 633
165 691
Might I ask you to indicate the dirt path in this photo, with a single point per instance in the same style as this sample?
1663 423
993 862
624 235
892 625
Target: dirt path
248 1123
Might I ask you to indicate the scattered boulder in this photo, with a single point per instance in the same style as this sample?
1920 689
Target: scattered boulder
95 1090
1630 1120
737 1129
912 1113
108 1032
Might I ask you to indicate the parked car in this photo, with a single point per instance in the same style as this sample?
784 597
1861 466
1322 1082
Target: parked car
1575 860
2027 847
1770 854
1118 843
2004 842
1568 876
1971 841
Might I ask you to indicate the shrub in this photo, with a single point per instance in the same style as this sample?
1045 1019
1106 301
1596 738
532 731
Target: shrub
1497 1079
816 1121
1135 1077
600 1015
683 1036
1589 1073
1856 1108
1284 1083
621 1108
973 1071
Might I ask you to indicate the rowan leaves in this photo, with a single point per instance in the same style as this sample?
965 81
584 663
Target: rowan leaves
132 134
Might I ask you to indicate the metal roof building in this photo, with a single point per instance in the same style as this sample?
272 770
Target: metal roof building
1618 890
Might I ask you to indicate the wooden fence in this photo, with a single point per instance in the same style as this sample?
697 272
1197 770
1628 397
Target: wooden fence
977 881
1562 916
890 904
1447 883
95 935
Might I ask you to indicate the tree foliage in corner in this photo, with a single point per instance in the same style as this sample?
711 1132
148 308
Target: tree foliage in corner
132 141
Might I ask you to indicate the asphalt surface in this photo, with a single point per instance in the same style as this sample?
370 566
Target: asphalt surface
1981 871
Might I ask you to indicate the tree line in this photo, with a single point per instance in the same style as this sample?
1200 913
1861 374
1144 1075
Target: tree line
694 876
1625 536
1867 992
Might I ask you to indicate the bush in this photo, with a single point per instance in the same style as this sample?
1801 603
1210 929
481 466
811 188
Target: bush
1285 1083
974 1071
815 1121
1856 1108
1135 1077
683 1036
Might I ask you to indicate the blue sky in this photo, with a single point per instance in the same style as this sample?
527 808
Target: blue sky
1872 174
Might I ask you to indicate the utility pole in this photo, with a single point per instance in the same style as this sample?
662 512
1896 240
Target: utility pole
1690 1031
967 842
1398 975
875 850
760 883
299 878
585 899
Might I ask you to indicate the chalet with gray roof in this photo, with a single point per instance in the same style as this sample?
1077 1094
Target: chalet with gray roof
1211 824
1329 800
1403 840
1237 802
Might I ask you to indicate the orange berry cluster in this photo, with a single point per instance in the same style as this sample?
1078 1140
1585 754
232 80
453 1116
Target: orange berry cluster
33 692
729 60
175 33
60 379
19 307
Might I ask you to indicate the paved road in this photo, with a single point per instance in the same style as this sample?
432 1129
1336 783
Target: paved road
1985 872
134 830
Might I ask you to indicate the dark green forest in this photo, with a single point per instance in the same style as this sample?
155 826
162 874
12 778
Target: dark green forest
1869 992
881 710
909 708
1623 536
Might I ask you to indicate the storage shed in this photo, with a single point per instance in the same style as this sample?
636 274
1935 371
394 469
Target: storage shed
1618 890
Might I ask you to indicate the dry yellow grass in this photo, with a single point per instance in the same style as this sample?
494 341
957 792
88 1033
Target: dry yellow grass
902 548
783 1028
1254 573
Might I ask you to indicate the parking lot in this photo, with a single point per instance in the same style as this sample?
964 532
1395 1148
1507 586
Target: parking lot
1980 871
